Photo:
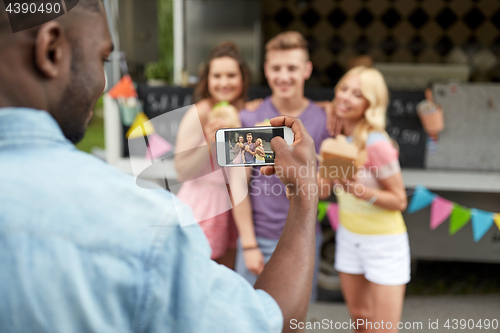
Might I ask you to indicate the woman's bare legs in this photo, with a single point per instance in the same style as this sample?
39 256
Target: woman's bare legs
387 305
372 302
355 289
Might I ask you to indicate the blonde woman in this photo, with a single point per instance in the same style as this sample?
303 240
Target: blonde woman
260 156
372 250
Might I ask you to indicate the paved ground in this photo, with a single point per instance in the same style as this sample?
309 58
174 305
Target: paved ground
419 309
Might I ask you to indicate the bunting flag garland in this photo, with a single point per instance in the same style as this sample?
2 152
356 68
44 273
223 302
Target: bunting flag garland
132 116
333 215
322 208
481 223
422 198
459 218
129 108
497 220
124 88
136 130
440 211
158 147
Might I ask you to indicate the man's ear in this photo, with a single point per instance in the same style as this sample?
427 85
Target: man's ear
51 48
309 69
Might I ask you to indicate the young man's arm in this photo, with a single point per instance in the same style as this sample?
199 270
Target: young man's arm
288 275
248 149
242 213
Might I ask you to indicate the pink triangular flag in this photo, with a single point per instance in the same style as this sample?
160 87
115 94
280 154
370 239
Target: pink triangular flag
333 215
158 146
440 211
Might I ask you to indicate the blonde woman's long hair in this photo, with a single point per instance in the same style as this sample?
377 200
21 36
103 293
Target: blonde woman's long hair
374 89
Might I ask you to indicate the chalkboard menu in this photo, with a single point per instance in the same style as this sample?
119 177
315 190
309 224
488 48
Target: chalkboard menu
403 124
157 101
160 100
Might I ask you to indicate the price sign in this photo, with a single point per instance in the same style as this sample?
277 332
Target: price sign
403 125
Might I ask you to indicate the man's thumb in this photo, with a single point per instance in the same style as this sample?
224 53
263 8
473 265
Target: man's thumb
278 144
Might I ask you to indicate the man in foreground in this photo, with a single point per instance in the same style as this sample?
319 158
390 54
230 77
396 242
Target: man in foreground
82 248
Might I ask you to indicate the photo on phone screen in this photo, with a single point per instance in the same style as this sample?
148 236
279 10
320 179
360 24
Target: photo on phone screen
247 146
250 147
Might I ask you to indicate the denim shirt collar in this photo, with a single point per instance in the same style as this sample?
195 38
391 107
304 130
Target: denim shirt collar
29 127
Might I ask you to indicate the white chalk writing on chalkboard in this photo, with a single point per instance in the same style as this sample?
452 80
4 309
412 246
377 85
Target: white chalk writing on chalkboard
406 136
162 104
400 109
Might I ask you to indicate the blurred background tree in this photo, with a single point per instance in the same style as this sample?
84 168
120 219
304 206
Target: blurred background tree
164 67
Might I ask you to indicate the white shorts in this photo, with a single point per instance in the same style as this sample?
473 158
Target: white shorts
382 259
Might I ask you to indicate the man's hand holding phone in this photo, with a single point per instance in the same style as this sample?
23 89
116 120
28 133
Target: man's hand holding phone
290 159
288 274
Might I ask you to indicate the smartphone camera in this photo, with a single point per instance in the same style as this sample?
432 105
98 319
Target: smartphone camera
249 146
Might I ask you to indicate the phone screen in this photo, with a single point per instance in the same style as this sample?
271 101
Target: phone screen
250 146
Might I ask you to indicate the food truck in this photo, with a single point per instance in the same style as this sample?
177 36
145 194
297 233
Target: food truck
449 46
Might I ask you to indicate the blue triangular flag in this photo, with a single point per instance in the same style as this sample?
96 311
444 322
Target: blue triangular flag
481 223
421 198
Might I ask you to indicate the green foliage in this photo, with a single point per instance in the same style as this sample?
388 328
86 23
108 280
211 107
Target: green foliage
100 103
157 70
94 136
164 67
166 37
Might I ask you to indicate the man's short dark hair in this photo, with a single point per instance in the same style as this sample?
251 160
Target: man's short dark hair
288 40
249 134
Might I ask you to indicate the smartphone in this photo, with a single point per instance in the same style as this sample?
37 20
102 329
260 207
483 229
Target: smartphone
249 146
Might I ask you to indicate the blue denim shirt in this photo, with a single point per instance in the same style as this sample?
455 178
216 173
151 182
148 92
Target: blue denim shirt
83 249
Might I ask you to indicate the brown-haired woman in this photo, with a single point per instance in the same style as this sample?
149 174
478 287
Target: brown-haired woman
225 77
239 156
